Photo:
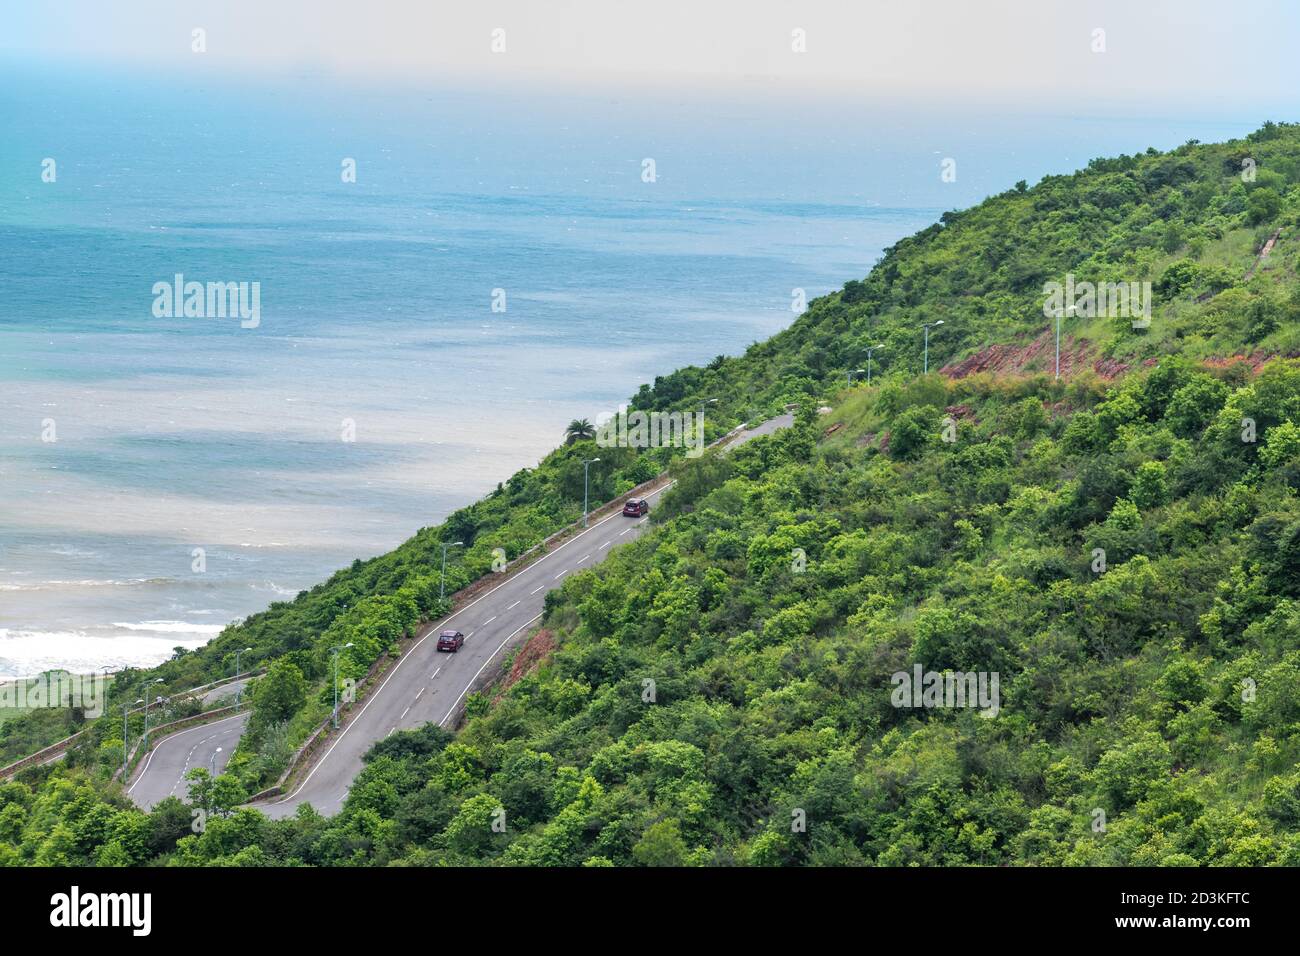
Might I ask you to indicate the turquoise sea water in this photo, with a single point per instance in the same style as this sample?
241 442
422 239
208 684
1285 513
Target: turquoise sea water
180 433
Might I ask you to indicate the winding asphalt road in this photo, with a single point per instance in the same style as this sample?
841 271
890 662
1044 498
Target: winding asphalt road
424 685
163 772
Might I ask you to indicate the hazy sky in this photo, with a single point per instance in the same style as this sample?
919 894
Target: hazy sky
1183 53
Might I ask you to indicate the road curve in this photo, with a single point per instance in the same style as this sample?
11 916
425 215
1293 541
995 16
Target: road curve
163 772
423 686
427 686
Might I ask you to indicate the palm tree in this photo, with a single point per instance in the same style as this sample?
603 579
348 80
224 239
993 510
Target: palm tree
578 429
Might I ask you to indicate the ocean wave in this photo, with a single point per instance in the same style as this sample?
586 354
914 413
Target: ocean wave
28 653
172 627
68 551
110 583
274 589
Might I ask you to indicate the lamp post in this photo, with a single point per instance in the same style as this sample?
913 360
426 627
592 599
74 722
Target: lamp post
853 372
869 351
586 468
928 326
212 764
239 691
157 700
335 651
442 583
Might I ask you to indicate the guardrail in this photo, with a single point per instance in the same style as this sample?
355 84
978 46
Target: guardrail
59 747
217 683
52 752
163 731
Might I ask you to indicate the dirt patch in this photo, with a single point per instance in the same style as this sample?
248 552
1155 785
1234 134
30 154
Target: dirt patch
531 656
1037 355
1255 360
1110 368
1076 356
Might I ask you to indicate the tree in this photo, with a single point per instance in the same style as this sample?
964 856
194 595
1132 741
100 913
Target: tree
1263 206
577 430
914 429
1195 404
1150 489
280 693
661 845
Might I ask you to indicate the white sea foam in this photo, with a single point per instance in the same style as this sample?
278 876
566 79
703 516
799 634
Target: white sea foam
88 583
28 653
274 589
172 627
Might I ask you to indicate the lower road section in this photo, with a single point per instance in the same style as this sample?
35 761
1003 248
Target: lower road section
424 686
163 773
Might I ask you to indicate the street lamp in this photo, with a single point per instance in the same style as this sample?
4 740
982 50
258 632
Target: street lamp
853 372
126 709
586 467
212 764
157 700
1059 315
869 351
442 583
928 326
239 690
335 651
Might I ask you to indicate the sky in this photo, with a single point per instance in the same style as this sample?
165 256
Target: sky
1211 57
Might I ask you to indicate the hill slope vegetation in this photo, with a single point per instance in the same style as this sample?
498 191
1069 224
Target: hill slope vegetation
1113 561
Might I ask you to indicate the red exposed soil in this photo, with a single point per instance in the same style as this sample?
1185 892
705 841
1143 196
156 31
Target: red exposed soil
1255 360
530 657
1076 355
1037 356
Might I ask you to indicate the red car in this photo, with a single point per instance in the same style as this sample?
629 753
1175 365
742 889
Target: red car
636 507
451 641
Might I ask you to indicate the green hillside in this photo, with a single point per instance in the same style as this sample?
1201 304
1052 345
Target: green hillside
1118 551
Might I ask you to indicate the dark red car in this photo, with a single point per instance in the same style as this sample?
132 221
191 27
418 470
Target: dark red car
636 507
450 641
